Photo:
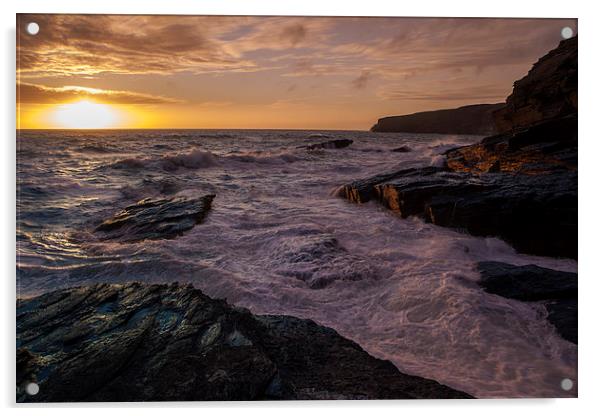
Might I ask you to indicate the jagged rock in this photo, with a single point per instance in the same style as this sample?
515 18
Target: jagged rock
538 122
534 213
402 149
331 144
558 291
470 119
139 342
547 92
153 219
520 185
547 146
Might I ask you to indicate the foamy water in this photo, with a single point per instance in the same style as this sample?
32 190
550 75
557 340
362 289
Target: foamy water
278 241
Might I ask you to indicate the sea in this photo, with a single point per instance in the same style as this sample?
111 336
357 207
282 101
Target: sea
404 290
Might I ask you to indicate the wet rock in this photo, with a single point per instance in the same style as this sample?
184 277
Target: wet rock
470 119
538 122
319 260
520 185
535 213
402 149
155 218
139 342
556 289
544 147
331 144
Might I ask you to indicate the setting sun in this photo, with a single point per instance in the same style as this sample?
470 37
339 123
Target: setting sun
85 114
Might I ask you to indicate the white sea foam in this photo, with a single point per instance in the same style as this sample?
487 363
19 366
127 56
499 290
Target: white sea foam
279 240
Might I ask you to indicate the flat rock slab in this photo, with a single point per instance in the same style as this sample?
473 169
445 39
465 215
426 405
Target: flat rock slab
155 218
545 147
138 342
331 144
537 214
556 289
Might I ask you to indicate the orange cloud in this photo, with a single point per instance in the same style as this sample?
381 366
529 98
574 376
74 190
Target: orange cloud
41 94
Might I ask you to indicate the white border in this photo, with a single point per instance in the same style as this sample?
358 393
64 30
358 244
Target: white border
590 138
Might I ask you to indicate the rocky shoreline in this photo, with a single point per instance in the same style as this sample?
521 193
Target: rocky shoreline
519 185
556 290
145 342
138 342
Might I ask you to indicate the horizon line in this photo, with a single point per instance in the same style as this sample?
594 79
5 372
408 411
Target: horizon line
187 128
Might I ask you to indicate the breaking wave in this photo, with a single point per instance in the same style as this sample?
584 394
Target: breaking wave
279 240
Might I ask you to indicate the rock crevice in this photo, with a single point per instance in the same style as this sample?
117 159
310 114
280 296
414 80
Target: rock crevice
138 342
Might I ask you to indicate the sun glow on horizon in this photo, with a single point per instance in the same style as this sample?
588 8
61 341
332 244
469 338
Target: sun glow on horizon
85 114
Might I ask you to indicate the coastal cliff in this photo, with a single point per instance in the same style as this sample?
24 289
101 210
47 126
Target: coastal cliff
470 119
520 185
547 92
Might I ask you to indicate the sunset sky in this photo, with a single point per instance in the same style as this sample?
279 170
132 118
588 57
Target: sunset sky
265 72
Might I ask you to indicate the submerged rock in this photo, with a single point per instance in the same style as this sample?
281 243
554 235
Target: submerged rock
331 144
319 260
535 213
556 289
155 218
402 149
139 342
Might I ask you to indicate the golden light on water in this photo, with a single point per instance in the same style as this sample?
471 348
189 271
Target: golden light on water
85 114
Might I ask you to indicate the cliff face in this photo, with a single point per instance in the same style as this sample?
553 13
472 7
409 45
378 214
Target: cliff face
471 119
548 91
538 125
520 185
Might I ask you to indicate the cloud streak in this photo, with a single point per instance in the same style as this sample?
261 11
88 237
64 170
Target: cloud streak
476 93
41 94
349 68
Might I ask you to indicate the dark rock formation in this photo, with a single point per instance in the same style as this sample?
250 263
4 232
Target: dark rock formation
548 91
331 144
538 123
520 185
402 149
139 342
557 290
540 149
470 119
153 219
534 213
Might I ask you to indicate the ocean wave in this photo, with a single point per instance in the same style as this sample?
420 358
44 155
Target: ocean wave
129 163
196 159
265 158
151 188
96 148
201 159
319 260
